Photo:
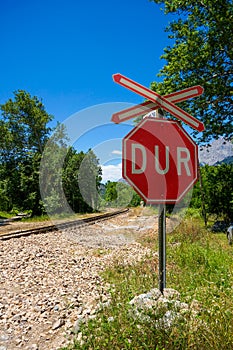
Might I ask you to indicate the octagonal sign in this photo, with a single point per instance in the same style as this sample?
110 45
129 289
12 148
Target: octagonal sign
160 160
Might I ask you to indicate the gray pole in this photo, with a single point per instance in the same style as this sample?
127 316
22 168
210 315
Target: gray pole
162 231
162 247
162 235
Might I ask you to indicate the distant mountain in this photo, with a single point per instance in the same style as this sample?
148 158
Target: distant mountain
220 151
227 160
123 181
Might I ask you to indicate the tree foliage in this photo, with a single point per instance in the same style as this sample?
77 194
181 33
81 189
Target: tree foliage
217 182
26 144
201 54
119 194
51 172
69 180
23 134
23 126
89 179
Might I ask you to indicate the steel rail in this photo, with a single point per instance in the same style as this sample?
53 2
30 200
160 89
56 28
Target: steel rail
64 225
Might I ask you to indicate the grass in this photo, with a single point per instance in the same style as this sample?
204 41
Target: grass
5 215
199 266
36 218
58 217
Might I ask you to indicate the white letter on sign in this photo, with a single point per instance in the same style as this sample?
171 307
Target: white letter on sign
157 162
134 162
183 160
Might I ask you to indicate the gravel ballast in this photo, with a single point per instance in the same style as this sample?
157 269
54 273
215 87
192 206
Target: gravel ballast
51 282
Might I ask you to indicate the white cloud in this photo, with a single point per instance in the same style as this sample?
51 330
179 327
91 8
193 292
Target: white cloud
111 172
116 151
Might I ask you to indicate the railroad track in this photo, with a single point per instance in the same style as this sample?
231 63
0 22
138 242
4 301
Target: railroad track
73 223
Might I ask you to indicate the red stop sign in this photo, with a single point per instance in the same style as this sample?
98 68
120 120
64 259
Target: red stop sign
160 160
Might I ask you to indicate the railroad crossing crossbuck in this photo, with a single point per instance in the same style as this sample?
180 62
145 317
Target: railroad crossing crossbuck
157 101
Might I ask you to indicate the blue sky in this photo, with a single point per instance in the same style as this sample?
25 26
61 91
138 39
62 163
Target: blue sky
65 52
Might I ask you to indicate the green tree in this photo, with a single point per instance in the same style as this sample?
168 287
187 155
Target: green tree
218 191
201 54
23 134
110 191
119 194
70 180
89 179
218 186
25 120
4 198
136 200
51 173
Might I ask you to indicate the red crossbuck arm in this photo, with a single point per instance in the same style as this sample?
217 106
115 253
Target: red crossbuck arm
164 102
149 106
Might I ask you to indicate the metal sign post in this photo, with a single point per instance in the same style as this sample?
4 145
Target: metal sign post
162 235
162 247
